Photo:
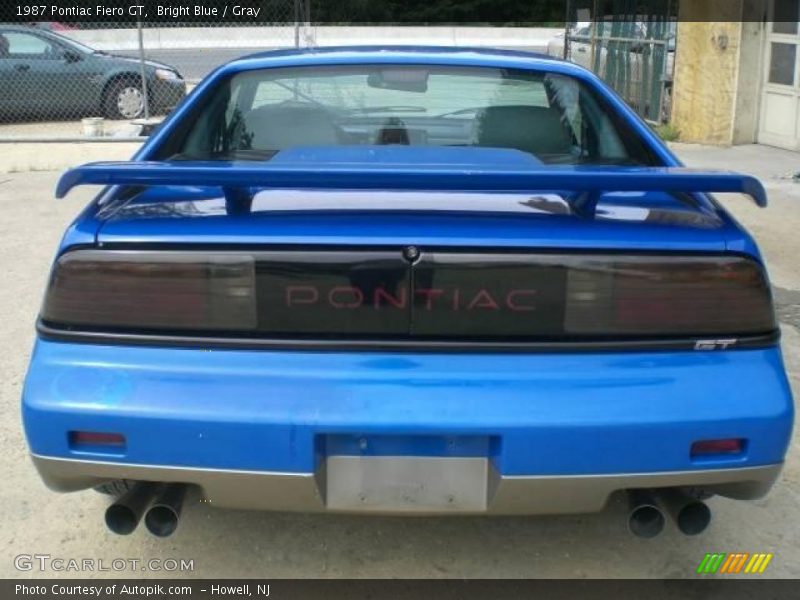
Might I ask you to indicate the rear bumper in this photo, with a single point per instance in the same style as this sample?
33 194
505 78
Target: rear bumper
312 492
533 433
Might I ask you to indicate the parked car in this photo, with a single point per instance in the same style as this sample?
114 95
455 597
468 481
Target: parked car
580 33
54 25
45 73
407 281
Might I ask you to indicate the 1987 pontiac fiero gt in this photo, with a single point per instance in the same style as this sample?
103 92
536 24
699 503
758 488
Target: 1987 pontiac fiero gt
407 281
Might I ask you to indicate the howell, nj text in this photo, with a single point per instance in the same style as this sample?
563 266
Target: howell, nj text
239 590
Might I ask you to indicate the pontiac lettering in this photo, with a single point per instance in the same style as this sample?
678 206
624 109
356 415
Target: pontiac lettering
429 299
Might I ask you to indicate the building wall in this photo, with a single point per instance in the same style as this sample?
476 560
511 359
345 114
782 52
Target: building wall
718 66
750 76
267 37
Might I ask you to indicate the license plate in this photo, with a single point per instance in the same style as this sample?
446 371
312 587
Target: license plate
398 484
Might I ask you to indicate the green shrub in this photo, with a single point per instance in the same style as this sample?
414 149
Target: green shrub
667 132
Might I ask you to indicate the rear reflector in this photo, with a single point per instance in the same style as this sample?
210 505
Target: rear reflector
712 447
95 438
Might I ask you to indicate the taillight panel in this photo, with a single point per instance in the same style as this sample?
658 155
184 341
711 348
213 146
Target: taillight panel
591 295
668 295
153 290
440 295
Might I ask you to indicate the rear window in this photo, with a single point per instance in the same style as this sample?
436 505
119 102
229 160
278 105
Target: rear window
553 117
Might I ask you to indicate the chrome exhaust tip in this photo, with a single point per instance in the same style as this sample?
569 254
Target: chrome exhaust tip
162 518
645 519
692 516
123 516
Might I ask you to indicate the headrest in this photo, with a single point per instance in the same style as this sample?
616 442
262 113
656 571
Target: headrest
276 127
535 129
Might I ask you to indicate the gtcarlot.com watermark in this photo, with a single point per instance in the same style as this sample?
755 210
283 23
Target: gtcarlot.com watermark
57 564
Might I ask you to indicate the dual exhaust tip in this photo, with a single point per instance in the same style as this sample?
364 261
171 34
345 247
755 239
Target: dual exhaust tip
159 503
161 506
646 517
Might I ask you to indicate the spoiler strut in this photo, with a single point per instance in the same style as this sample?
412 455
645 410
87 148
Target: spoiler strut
238 178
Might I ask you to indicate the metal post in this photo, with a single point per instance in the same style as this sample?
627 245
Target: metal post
297 17
567 23
593 29
665 67
145 100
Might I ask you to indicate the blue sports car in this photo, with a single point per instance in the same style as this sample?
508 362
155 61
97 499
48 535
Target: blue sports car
407 281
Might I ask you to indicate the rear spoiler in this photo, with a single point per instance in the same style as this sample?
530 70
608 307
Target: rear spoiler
237 178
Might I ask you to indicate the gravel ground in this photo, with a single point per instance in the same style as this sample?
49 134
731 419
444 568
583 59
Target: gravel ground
231 543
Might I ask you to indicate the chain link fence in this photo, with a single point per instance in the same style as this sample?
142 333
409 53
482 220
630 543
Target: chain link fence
109 81
635 58
631 47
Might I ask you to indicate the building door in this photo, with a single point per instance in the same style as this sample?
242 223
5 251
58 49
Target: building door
780 103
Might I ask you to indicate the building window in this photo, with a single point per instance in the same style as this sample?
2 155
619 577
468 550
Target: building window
782 63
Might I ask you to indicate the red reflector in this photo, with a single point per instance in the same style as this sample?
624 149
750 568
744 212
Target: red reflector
729 446
95 438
